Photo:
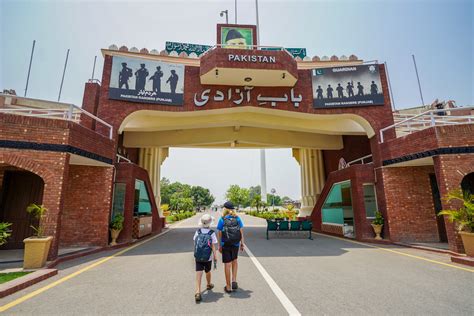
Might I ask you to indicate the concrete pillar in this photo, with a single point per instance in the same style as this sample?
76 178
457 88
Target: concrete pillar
312 177
151 160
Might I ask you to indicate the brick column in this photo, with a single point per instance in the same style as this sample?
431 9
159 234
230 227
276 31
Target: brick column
151 159
450 170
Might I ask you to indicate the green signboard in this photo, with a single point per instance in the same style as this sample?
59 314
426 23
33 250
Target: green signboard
187 48
295 52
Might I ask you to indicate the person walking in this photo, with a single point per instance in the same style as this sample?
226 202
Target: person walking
205 242
231 237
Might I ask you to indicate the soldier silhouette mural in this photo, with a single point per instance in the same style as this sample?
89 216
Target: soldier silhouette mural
157 79
350 89
173 81
329 91
360 89
340 91
148 85
141 75
124 75
319 92
373 88
335 87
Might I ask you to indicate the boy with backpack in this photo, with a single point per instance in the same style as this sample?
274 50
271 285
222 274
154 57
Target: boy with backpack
232 238
204 251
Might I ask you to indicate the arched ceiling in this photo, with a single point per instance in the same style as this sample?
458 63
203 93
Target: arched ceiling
243 127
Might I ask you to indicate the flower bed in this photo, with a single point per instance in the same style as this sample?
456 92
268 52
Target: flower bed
179 215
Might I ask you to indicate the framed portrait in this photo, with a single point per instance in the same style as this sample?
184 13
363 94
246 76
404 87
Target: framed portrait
236 36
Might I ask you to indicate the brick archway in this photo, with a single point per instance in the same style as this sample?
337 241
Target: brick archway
52 169
26 164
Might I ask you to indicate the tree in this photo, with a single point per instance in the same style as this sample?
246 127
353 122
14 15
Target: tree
257 202
253 191
167 189
274 199
238 195
201 196
180 203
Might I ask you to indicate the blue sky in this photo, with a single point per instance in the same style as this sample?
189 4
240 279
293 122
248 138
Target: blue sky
439 33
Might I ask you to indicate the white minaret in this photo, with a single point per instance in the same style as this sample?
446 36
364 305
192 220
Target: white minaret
263 175
263 168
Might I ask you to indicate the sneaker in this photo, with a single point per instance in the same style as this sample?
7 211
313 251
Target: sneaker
198 297
235 286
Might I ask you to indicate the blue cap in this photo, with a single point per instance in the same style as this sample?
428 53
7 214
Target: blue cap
228 205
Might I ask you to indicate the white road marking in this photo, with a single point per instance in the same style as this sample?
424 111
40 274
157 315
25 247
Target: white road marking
284 300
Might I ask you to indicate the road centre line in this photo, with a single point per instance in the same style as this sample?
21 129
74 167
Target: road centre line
74 274
284 300
397 252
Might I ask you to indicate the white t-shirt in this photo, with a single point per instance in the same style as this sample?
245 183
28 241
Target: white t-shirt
213 237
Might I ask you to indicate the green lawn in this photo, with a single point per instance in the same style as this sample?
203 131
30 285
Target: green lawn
5 277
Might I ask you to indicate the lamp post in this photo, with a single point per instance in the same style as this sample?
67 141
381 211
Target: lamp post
273 191
226 12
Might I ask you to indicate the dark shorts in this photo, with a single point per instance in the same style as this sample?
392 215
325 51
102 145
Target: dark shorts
206 266
229 253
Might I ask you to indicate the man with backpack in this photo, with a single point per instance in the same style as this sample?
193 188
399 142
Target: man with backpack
204 251
232 238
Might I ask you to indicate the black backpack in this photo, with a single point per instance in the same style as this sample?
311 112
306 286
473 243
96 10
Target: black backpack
231 233
203 246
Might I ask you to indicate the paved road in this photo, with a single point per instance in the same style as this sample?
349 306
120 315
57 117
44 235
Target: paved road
326 276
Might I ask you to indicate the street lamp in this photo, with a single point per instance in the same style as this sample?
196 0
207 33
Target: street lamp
226 12
273 191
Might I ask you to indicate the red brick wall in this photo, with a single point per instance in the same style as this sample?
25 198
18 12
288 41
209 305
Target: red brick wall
429 139
332 229
450 170
52 167
409 204
127 173
90 102
354 147
359 175
49 131
86 212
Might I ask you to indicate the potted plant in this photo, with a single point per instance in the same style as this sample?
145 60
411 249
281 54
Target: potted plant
377 225
166 210
36 246
116 227
5 232
290 211
463 217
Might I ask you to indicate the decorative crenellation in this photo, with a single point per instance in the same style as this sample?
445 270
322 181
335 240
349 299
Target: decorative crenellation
145 51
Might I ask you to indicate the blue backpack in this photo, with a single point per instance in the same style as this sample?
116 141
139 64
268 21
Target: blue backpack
203 246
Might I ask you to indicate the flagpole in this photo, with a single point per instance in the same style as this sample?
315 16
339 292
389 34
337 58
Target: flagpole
29 67
235 11
418 78
64 72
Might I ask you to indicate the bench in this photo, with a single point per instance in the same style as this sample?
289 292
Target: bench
290 226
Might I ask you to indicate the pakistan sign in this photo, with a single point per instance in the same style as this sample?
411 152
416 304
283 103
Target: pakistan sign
347 86
146 81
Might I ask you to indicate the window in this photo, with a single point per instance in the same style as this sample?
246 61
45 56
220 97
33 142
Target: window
118 202
142 204
370 200
337 209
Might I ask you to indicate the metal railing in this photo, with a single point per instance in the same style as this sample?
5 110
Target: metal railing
410 123
120 157
360 160
71 113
